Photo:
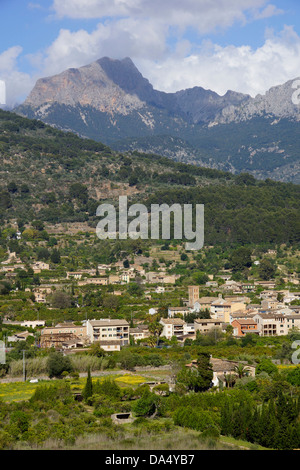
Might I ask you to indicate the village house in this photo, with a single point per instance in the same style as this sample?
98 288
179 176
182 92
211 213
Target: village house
268 304
223 368
225 277
33 323
41 293
243 315
138 269
97 281
231 286
248 287
114 279
211 284
11 268
40 297
111 345
266 284
189 331
74 275
241 327
106 329
173 311
289 297
72 344
204 325
273 324
38 266
139 332
204 303
197 304
58 335
12 258
160 290
173 327
20 336
104 267
101 272
239 299
161 278
125 277
220 309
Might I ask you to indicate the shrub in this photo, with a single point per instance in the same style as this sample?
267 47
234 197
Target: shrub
50 394
57 364
5 440
197 419
266 365
146 405
19 422
293 377
211 432
107 387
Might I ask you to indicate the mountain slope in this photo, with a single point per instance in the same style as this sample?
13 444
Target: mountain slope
111 102
56 177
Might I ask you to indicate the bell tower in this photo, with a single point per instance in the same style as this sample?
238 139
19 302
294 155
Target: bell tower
193 295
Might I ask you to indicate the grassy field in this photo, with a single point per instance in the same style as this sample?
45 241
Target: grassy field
18 391
132 439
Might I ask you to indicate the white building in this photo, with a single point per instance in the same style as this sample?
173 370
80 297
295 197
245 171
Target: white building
106 330
276 324
33 323
173 327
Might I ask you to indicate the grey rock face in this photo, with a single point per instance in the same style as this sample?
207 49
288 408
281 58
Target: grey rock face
279 102
117 86
86 86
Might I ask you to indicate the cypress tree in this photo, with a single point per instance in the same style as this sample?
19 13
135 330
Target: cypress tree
88 389
226 418
254 429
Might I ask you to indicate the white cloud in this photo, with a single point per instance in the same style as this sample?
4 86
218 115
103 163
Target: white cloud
267 12
17 84
116 39
213 67
141 29
204 15
219 68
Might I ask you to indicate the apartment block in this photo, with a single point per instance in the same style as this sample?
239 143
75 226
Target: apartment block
107 330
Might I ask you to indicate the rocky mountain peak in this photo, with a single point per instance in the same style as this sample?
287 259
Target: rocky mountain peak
279 101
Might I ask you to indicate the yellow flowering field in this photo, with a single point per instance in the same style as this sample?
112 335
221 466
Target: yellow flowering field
17 391
131 380
287 366
126 380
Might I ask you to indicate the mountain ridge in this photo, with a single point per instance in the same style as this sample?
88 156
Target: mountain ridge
110 101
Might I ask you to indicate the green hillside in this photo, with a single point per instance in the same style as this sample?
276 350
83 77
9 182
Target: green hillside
55 176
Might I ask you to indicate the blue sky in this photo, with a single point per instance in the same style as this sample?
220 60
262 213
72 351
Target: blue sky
244 45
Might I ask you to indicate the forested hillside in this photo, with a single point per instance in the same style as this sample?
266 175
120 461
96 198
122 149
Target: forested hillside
54 176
